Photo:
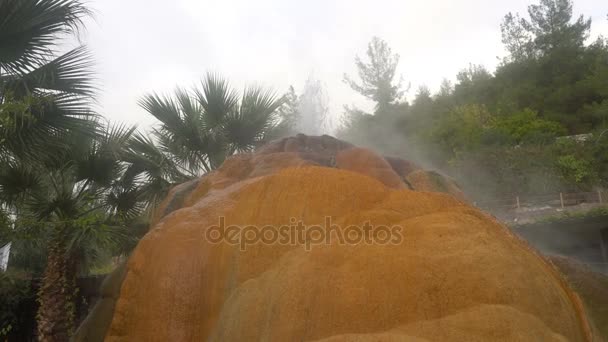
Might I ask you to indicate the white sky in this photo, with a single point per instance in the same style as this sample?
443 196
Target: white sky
142 46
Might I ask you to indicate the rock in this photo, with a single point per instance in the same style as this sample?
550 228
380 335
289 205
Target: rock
385 263
95 326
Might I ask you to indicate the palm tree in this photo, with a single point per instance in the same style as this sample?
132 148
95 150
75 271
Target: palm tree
70 183
78 201
151 171
41 94
45 107
199 129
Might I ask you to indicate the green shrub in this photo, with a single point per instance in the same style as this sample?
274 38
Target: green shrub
15 290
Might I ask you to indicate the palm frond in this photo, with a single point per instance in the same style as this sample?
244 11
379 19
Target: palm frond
43 96
179 138
69 73
145 156
190 109
200 129
101 162
125 202
56 198
165 110
16 181
260 103
29 30
256 116
31 133
115 139
154 191
216 98
96 238
183 150
99 170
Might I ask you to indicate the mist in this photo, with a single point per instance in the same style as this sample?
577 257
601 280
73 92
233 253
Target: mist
142 46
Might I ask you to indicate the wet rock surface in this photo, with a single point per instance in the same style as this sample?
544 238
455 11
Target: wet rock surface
451 272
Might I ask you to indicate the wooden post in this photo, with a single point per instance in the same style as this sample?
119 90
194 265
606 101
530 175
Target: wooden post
517 200
561 199
599 195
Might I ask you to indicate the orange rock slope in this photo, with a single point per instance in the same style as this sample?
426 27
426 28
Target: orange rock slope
449 272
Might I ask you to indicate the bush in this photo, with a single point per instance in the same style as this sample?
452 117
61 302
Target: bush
16 296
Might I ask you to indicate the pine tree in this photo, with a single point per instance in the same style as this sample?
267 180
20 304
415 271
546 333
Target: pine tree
377 75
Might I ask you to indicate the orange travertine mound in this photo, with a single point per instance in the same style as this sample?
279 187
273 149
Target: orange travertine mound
368 163
455 274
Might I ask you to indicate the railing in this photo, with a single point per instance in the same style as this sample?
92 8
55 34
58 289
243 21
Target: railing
555 200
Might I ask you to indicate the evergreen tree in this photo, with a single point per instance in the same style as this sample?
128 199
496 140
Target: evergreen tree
517 40
550 30
550 24
423 96
377 75
446 88
288 113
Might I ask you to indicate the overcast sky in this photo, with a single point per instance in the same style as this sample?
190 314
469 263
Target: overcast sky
142 46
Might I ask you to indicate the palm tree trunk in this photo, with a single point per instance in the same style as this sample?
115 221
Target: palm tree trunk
56 295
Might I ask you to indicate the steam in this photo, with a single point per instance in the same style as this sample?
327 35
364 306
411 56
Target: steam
313 108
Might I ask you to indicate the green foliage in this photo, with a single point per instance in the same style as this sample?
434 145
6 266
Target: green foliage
597 111
198 130
469 127
503 132
570 218
288 114
549 31
66 178
30 28
474 85
599 154
75 193
503 171
576 169
377 75
461 128
526 126
549 69
41 94
576 162
17 113
515 37
6 228
15 290
550 25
